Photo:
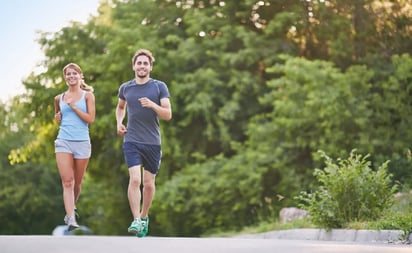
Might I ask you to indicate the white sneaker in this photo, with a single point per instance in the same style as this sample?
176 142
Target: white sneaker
71 222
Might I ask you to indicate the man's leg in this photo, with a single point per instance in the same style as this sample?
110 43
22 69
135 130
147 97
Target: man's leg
148 195
149 189
134 196
133 191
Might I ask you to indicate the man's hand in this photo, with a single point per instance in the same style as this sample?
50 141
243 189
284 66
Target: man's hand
121 129
145 102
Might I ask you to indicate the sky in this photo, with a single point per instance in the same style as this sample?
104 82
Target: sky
19 22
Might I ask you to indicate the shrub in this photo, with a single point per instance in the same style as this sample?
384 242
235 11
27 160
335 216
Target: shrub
397 221
350 190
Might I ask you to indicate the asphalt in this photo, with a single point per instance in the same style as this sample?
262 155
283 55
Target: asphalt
342 235
132 244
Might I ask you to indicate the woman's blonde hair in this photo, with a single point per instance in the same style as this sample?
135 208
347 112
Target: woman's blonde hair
83 85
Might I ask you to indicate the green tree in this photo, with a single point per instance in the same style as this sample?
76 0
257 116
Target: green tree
29 186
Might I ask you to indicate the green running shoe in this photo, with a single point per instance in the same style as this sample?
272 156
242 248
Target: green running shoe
145 227
135 227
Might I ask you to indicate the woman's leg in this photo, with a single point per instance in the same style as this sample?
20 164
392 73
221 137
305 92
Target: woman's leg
65 166
80 166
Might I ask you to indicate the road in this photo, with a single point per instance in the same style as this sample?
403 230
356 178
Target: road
130 244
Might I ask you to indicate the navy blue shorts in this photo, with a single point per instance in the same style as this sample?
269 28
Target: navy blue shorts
148 156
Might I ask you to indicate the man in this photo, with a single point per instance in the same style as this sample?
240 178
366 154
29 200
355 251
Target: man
146 100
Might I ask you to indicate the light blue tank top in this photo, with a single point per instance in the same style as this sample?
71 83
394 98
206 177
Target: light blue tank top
72 127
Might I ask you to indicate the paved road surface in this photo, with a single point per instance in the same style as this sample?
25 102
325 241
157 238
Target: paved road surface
130 244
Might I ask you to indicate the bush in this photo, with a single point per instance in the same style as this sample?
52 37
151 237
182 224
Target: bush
349 191
396 221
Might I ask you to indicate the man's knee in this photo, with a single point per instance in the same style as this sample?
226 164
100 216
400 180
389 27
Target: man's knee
149 186
134 181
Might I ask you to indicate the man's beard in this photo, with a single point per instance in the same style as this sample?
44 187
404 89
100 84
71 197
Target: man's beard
142 76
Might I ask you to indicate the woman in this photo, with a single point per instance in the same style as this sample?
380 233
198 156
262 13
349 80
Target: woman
74 111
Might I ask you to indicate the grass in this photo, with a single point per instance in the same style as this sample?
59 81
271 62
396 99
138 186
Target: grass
266 227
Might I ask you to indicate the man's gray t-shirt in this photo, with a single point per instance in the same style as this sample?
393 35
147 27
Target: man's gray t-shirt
142 123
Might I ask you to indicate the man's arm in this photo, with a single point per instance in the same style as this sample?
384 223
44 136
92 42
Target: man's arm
120 114
163 111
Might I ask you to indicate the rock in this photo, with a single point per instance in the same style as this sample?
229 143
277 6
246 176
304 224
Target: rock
287 214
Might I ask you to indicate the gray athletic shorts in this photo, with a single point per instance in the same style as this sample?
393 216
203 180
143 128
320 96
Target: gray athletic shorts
79 149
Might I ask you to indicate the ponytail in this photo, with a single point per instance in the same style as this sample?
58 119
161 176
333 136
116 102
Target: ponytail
86 87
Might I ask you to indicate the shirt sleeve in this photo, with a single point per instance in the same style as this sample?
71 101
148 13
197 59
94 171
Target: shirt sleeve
164 91
121 92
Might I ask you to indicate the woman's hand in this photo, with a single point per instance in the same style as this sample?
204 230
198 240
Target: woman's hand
58 117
